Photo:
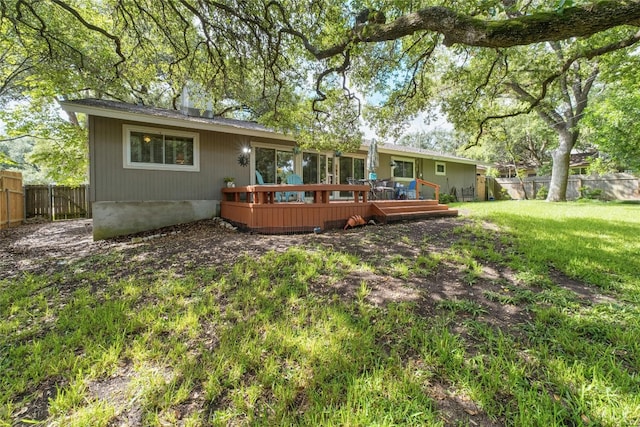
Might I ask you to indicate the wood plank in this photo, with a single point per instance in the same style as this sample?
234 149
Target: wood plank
11 199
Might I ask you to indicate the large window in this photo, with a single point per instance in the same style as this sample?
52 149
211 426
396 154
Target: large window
151 148
351 167
314 168
404 168
273 164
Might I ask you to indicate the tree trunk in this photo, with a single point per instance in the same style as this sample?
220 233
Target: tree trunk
560 172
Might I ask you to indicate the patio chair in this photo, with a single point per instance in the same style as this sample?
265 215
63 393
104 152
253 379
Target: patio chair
468 193
382 189
408 192
293 179
259 179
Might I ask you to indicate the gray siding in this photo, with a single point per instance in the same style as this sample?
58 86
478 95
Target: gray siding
458 175
110 181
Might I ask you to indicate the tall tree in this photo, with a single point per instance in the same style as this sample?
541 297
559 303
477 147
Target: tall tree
515 141
613 126
58 145
440 140
553 80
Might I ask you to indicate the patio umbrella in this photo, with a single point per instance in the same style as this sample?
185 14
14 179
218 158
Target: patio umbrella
372 158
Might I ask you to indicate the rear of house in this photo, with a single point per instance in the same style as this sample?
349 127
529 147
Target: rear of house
152 167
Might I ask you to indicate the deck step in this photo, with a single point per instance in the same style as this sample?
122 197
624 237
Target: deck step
384 203
420 215
401 210
408 209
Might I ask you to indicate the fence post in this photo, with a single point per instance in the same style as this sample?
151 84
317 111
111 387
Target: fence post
6 190
86 202
50 196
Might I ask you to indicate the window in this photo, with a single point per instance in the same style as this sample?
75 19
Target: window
441 168
351 167
403 168
161 149
314 168
273 164
578 171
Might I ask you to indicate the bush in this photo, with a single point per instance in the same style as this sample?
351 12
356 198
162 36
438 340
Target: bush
504 194
445 198
590 193
542 193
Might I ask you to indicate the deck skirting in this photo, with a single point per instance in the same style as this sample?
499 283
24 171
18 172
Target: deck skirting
256 209
292 217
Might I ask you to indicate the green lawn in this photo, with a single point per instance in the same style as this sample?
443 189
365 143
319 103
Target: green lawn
254 344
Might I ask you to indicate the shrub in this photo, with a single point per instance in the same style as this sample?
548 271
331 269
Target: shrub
445 198
504 194
542 193
590 193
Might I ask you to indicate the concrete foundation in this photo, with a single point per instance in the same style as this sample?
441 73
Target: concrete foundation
111 219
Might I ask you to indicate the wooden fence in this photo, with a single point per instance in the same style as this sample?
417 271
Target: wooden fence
11 199
57 202
618 186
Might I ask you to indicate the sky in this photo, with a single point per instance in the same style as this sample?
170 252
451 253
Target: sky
418 124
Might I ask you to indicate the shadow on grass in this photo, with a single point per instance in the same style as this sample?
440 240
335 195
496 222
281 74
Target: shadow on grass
600 252
252 345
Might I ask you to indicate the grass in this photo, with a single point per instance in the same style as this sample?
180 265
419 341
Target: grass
593 243
254 344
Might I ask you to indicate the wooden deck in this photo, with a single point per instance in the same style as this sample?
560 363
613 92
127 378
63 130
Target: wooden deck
256 208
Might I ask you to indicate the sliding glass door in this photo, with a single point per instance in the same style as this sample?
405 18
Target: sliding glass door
274 164
350 167
314 168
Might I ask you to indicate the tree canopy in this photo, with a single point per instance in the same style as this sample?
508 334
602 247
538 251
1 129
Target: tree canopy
303 66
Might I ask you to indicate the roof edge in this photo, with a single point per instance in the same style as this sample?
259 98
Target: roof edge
423 154
114 113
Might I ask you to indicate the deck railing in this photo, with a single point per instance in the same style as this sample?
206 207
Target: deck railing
260 208
435 187
268 194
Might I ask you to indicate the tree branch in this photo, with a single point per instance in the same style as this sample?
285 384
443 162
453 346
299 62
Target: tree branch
535 101
92 27
538 27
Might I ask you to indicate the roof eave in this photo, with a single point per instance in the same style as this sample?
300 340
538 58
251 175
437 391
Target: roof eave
430 156
167 121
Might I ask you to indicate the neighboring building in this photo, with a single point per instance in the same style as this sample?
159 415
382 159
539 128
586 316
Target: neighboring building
579 162
578 165
152 167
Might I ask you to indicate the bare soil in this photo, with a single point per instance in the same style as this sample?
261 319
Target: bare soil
45 248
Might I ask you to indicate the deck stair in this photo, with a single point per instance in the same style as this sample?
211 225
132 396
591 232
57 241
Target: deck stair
386 211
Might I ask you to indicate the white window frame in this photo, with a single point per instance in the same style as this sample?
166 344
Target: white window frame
126 149
405 160
444 167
